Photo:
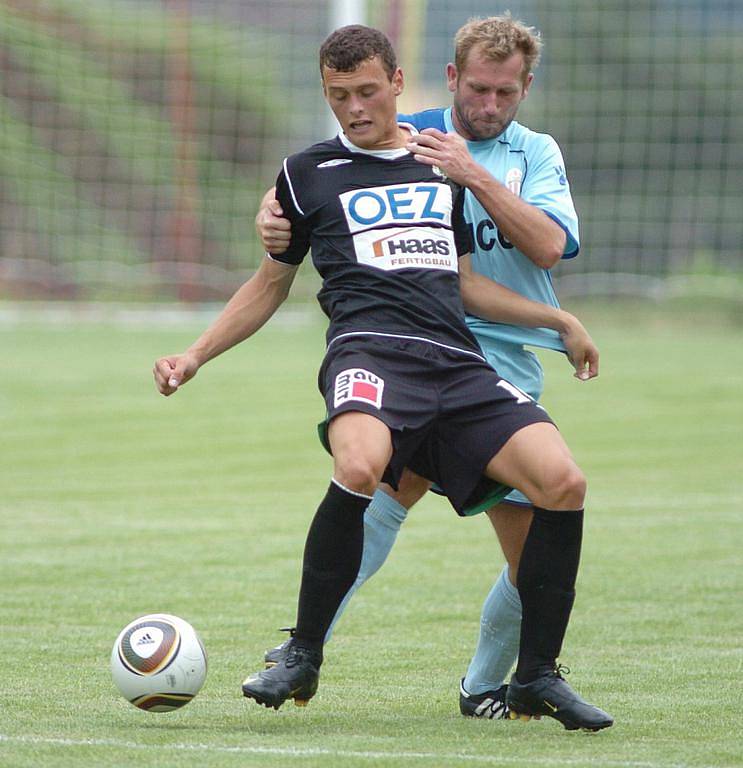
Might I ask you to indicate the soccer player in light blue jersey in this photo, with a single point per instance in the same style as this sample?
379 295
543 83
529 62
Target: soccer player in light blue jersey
523 222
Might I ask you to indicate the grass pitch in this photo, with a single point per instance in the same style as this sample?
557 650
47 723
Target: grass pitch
116 502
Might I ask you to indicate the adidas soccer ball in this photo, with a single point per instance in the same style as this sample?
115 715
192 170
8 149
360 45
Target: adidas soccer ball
158 662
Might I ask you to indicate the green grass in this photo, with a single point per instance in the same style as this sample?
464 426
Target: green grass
116 502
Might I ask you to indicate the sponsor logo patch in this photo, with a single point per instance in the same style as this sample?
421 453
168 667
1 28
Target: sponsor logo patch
359 385
407 248
401 204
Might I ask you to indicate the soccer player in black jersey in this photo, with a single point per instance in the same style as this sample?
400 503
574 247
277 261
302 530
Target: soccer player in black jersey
404 381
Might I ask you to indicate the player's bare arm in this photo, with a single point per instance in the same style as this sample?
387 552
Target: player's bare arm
491 301
273 229
534 233
251 306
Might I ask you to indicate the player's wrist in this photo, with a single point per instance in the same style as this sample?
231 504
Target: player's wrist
568 323
198 355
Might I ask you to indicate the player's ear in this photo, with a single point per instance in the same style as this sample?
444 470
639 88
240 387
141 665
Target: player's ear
451 77
527 85
398 82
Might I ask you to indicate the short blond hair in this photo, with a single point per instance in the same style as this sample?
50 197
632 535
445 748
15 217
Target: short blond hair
498 38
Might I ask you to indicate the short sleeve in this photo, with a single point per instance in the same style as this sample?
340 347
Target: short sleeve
546 187
300 233
462 231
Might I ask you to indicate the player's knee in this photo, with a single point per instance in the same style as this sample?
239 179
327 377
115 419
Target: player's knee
567 488
357 473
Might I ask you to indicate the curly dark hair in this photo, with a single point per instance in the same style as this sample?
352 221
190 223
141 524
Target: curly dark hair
348 47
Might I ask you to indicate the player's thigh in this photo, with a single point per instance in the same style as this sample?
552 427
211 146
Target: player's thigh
362 447
511 524
538 462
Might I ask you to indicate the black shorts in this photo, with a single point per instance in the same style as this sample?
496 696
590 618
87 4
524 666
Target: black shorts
449 412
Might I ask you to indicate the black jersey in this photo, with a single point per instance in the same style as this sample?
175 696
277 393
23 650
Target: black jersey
385 232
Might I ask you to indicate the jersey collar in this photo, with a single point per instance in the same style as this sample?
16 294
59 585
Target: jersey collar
383 154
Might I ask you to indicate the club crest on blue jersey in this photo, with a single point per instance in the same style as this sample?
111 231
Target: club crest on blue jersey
514 178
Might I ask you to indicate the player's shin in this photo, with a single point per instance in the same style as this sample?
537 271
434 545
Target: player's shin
331 563
546 582
382 521
332 558
498 641
546 585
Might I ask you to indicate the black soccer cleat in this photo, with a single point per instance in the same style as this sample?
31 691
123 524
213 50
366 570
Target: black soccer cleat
294 677
490 705
551 696
274 655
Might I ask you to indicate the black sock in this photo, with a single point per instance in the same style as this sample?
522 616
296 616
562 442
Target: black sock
546 584
332 557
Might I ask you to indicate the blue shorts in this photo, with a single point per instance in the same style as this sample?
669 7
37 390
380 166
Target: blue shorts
522 368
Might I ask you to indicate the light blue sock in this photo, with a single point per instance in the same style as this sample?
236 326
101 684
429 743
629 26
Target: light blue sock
498 644
382 521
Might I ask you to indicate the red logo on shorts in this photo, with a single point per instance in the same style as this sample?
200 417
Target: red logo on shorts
359 385
360 390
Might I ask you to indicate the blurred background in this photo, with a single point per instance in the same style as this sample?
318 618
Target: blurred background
137 136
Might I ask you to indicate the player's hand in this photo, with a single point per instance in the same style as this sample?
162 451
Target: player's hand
447 151
582 352
173 371
274 231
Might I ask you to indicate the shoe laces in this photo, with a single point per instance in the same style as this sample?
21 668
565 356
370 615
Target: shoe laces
560 670
290 630
293 656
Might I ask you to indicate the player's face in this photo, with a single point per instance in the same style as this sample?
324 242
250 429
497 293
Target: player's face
487 94
365 103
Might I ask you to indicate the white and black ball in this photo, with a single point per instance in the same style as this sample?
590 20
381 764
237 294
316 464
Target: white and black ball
158 662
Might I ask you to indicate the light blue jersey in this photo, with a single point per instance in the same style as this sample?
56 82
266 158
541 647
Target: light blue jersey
530 164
